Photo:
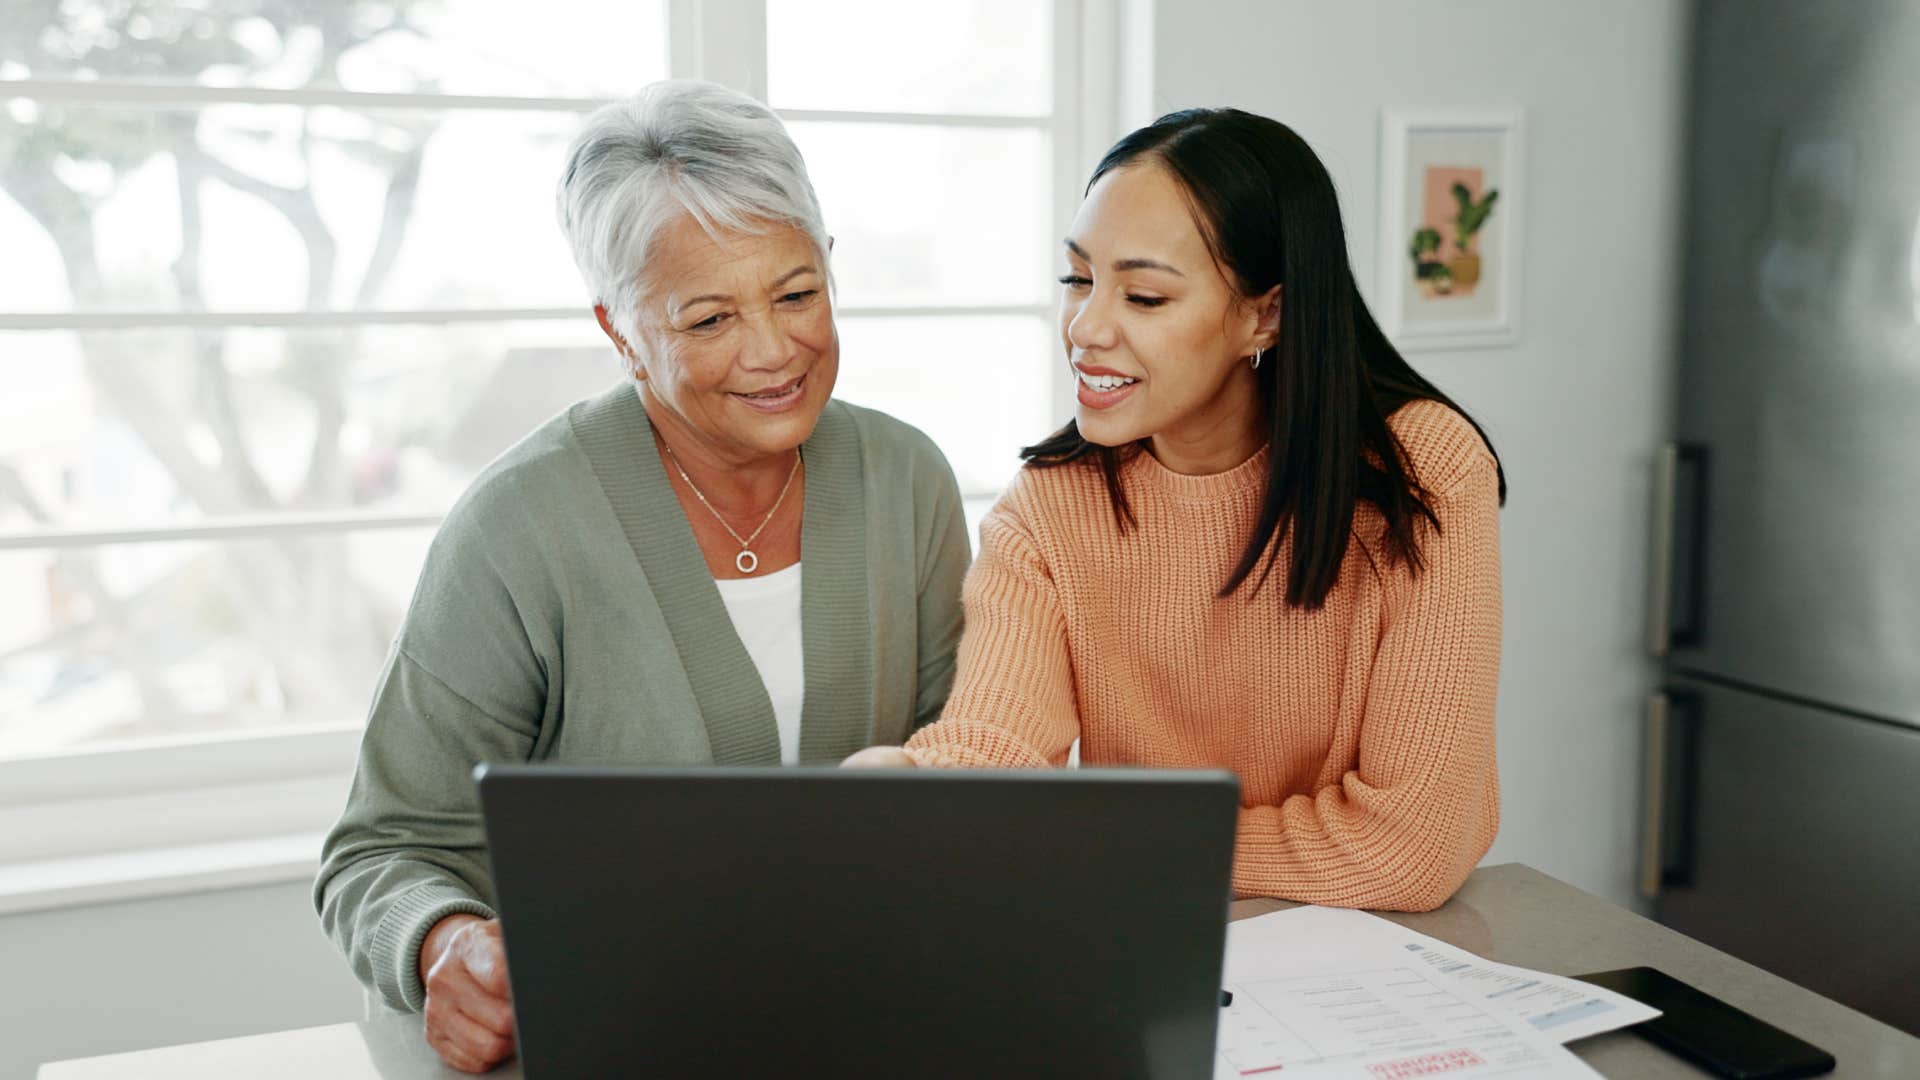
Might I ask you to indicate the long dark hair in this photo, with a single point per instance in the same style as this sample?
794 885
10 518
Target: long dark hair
1267 209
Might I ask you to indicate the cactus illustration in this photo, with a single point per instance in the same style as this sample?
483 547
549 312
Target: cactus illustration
1472 215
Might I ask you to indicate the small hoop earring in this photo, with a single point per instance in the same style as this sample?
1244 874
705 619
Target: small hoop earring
1257 355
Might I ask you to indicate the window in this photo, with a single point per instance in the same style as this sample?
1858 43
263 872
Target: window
280 278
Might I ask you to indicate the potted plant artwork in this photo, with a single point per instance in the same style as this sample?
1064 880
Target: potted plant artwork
1465 264
1452 198
1435 275
1429 273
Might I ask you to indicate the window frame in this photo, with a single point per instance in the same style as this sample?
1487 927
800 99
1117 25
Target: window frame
254 801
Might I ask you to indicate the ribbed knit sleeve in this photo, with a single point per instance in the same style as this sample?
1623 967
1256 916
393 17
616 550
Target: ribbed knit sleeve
1012 701
1408 821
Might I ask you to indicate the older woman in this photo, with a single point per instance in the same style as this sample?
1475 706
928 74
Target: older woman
712 562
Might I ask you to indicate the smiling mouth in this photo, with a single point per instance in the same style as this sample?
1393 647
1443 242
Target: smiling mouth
774 397
1101 384
1104 390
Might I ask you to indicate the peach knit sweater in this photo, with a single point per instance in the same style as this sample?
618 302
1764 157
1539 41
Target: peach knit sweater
1362 733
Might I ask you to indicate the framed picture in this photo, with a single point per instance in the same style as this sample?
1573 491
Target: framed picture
1450 199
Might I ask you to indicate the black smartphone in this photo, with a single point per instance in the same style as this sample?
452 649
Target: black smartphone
1711 1033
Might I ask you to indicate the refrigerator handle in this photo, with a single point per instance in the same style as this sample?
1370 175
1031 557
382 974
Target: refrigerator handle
1667 785
1653 793
1666 488
1668 526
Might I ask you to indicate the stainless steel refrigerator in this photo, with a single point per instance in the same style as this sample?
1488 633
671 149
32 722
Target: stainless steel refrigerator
1782 816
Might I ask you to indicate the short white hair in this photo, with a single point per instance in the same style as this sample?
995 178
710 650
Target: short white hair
679 146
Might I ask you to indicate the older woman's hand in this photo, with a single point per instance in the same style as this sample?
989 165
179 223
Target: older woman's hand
469 1010
879 757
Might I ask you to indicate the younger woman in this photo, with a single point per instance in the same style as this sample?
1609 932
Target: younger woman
1265 543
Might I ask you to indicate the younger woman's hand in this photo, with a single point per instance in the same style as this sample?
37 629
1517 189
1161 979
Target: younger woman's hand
879 757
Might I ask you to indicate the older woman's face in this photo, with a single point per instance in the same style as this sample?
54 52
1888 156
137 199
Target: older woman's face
737 342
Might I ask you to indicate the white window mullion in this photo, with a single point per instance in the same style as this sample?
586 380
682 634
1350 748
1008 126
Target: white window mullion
723 41
1132 60
1069 79
253 527
138 94
938 311
848 116
1102 89
220 320
89 321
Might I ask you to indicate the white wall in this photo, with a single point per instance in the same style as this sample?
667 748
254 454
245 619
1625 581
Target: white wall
108 978
1578 406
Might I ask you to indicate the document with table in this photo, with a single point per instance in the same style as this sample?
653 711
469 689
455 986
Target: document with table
1327 992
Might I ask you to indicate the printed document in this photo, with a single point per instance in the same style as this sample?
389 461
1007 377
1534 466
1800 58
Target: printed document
1328 992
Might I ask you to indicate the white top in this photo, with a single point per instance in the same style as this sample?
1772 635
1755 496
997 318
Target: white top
766 615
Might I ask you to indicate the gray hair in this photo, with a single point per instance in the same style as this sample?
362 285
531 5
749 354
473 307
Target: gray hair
680 146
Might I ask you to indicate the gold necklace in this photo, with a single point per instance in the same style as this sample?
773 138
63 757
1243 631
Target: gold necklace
745 562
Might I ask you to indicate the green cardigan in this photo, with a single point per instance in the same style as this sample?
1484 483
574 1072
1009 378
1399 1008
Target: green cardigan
565 613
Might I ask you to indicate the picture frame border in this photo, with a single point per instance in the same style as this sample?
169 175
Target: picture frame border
1397 125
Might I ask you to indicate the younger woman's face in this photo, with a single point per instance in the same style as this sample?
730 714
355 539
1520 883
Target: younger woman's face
1157 335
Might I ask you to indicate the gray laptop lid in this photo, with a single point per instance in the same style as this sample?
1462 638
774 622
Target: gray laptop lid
820 922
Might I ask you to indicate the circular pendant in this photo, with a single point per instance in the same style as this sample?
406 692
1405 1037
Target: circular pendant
746 562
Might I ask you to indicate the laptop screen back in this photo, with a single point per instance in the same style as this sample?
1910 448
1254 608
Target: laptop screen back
862 922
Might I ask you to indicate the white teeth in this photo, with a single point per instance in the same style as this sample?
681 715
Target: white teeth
775 393
1105 382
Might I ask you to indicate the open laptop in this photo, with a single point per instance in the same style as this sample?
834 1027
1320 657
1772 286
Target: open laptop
850 923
